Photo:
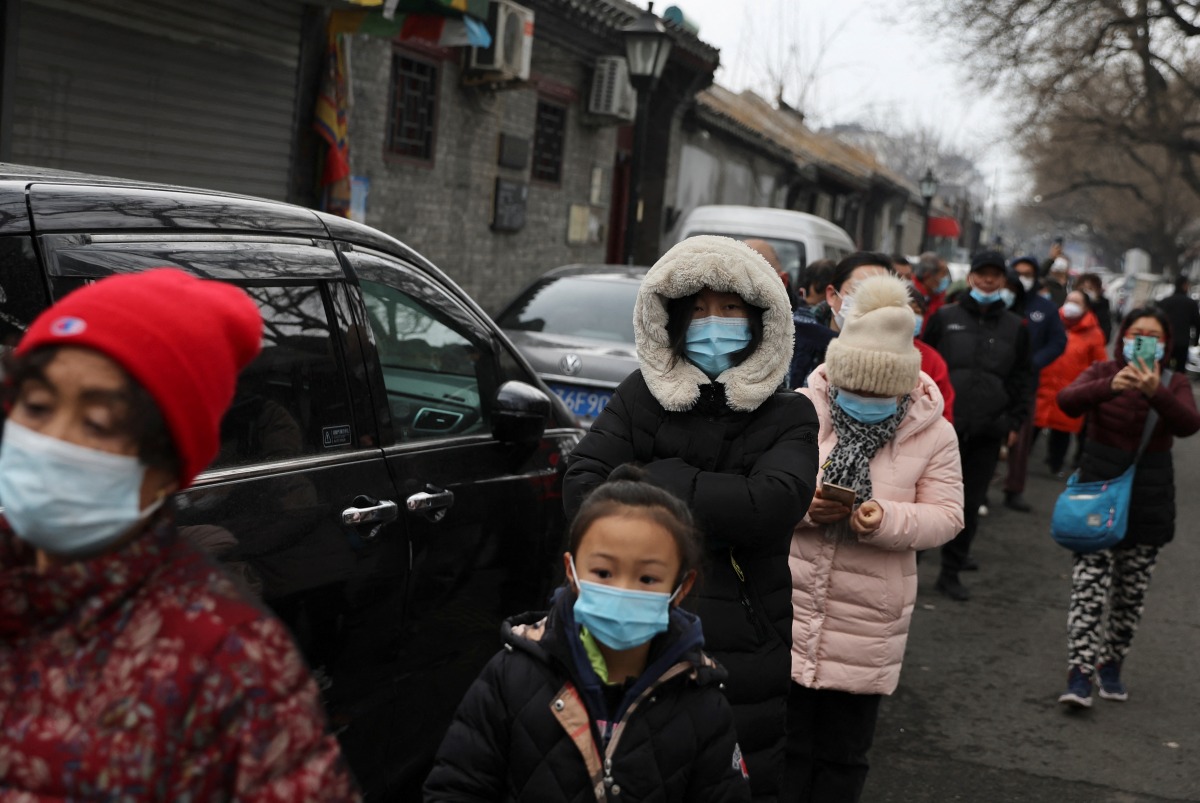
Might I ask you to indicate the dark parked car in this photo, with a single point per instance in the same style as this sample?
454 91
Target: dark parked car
390 472
575 326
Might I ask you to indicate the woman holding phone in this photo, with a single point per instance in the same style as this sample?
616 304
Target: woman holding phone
890 484
1108 588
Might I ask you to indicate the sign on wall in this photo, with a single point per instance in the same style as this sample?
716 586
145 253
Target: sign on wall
508 206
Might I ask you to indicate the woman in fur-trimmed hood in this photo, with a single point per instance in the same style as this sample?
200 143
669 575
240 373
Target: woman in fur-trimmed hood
707 418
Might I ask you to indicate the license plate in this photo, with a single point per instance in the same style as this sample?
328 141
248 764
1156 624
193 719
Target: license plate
583 402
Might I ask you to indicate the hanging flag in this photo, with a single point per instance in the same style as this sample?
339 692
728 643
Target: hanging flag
435 29
331 124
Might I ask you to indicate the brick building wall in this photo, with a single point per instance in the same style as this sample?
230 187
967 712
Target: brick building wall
444 209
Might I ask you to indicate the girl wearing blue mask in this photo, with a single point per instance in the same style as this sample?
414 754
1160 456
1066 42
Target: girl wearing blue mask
707 418
609 694
854 566
1108 587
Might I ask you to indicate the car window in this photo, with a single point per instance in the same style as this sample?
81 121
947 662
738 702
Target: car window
292 400
431 366
601 309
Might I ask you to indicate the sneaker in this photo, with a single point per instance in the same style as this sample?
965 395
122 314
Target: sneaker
1015 501
1111 687
952 587
1079 690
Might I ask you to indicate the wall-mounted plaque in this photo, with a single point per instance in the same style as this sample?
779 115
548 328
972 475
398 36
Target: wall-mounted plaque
514 152
508 209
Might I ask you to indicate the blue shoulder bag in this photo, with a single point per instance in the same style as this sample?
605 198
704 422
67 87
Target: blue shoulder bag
1091 516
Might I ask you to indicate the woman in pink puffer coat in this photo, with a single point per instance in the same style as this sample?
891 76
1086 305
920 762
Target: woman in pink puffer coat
854 570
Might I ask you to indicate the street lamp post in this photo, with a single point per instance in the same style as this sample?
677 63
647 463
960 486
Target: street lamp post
647 46
929 186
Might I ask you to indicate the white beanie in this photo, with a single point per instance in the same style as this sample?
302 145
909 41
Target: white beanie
874 353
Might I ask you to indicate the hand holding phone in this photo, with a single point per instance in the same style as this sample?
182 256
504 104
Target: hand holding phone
838 493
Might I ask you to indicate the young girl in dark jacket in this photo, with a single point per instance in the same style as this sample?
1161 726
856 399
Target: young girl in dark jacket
608 696
1108 588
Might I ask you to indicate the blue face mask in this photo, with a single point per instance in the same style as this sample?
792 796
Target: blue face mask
66 499
1008 297
618 617
864 408
918 326
942 285
984 299
1159 351
712 342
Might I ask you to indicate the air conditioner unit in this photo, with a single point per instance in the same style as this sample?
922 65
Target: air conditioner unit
612 95
511 52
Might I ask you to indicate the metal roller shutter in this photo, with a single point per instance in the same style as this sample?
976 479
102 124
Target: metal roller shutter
201 93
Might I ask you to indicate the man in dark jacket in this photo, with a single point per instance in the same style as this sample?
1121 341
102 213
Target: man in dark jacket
1047 340
987 350
1184 315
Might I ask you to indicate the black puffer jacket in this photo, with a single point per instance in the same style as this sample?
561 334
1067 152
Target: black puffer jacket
529 727
987 352
743 455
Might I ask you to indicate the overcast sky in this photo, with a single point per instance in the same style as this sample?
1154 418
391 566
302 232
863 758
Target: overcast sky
867 61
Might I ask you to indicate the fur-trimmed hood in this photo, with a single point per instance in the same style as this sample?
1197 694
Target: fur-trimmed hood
726 266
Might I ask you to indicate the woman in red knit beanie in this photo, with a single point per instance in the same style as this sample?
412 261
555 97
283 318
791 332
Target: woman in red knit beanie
131 667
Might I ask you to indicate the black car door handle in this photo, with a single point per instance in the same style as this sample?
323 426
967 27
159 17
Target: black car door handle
376 513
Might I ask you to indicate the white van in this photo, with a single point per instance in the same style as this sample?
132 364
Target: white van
798 237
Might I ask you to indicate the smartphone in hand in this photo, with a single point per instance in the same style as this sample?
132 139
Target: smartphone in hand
838 493
1144 350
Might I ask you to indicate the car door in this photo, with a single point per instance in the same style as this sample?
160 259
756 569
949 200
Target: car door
484 517
299 503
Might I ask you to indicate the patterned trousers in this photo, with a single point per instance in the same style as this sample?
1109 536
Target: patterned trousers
1112 579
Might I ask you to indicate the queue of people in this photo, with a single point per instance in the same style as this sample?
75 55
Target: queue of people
739 575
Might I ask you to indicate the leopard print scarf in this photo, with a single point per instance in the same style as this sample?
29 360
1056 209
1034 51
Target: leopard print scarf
849 464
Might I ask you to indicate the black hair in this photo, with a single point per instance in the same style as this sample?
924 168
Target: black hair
817 275
900 258
1091 278
143 421
915 299
1149 311
679 317
626 487
857 260
1181 283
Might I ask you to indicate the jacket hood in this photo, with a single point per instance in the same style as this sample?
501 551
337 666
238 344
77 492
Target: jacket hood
926 407
728 266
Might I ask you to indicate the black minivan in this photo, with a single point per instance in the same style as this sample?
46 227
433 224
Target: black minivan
390 473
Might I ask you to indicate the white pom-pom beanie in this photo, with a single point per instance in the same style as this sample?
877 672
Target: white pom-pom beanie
874 353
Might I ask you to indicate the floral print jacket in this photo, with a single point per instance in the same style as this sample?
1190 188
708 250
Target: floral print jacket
146 674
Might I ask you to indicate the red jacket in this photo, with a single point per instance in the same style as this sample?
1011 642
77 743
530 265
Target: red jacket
933 301
145 674
934 365
1085 345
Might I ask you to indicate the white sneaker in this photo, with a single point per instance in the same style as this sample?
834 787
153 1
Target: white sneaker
983 511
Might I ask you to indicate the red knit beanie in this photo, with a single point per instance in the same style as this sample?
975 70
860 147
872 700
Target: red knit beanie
181 338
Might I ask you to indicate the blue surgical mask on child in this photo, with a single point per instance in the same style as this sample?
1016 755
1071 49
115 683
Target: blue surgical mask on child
621 618
67 499
712 342
864 408
1159 351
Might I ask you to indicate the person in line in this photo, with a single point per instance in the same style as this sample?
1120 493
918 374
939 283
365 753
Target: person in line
1093 288
1047 341
902 267
706 418
932 363
931 276
854 567
1108 587
814 281
131 667
768 253
1054 285
987 350
1085 346
610 689
1184 314
813 338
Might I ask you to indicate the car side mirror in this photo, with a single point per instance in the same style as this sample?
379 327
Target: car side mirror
519 413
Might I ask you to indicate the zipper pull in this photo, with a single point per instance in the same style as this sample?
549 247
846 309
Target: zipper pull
736 568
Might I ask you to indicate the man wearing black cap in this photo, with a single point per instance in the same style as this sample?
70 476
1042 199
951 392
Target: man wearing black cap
986 348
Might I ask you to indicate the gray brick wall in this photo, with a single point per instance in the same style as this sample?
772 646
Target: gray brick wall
445 210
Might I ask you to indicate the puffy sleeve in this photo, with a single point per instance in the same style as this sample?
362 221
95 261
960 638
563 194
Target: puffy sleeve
255 730
936 514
